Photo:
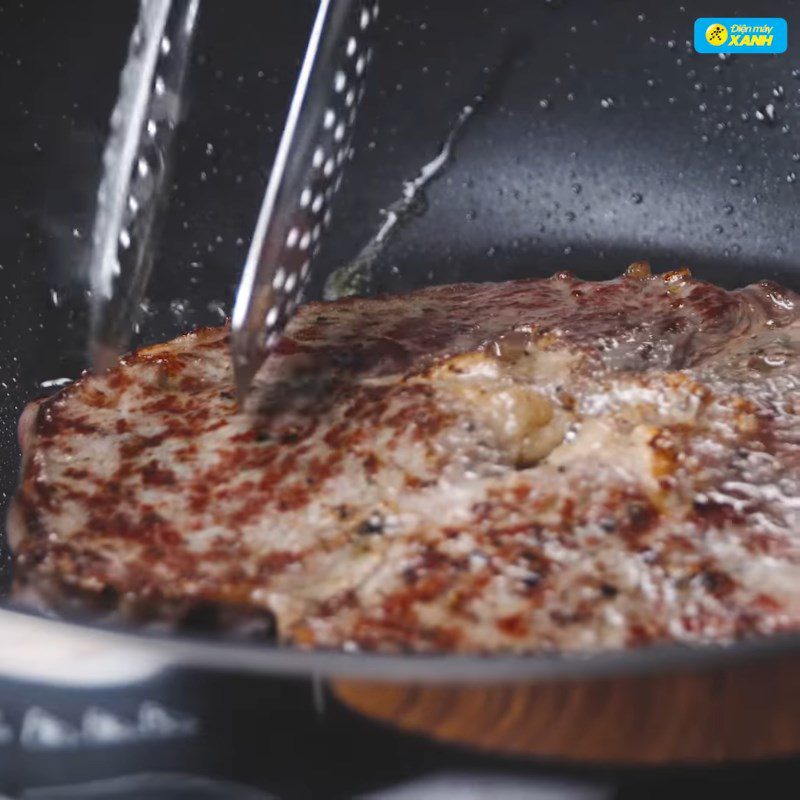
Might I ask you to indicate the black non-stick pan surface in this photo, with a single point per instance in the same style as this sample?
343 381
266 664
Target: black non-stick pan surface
601 138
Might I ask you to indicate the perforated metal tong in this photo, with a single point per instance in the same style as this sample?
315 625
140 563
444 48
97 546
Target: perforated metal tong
314 148
136 162
307 171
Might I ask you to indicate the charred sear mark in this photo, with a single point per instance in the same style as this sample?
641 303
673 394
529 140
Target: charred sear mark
717 582
373 524
639 518
715 513
153 474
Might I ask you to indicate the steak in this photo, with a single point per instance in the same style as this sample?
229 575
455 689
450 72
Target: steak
537 465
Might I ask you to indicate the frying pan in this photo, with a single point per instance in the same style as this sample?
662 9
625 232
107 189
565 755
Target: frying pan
601 138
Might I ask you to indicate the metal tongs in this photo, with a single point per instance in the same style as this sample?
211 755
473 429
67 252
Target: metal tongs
307 171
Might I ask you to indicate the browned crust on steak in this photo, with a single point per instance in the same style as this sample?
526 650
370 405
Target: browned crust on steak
531 465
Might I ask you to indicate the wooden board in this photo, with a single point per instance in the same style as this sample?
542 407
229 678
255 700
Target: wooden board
745 712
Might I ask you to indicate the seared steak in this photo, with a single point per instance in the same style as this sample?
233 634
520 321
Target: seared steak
532 465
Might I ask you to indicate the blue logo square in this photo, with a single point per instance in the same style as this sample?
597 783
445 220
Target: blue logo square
740 35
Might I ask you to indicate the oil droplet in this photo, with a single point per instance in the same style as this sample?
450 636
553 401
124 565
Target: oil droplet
766 114
676 279
178 307
719 229
217 307
764 362
637 198
639 270
577 188
54 383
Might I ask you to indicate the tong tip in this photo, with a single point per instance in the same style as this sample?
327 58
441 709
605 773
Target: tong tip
103 356
244 370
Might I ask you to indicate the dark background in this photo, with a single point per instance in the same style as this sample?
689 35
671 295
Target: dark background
602 139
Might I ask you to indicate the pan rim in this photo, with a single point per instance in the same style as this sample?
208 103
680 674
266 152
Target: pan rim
452 668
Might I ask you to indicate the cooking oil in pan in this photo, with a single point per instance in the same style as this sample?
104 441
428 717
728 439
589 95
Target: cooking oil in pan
355 278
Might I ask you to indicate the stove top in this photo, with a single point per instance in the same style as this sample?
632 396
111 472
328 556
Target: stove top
184 733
